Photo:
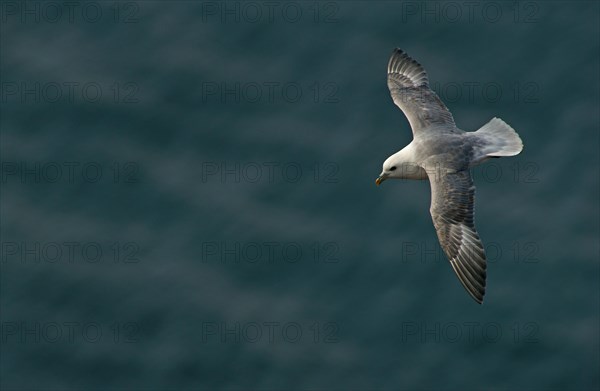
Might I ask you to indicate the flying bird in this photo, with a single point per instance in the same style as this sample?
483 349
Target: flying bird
444 154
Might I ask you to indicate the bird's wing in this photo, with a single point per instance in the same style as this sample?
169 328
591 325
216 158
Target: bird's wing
452 198
409 86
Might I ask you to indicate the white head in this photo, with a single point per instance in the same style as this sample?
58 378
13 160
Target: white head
401 165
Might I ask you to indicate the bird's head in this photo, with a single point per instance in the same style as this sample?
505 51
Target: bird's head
401 165
390 169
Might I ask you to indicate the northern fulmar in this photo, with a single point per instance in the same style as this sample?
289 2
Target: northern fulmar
444 154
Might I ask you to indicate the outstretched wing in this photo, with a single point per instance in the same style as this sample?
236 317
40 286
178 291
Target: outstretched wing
409 86
452 198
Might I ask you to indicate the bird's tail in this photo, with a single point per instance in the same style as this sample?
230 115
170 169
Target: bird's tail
497 139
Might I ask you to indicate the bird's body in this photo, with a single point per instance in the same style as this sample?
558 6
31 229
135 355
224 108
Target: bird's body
444 154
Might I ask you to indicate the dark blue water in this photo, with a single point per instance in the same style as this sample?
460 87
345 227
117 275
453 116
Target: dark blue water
188 197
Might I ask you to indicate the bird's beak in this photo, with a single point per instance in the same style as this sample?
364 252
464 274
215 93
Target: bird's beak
380 179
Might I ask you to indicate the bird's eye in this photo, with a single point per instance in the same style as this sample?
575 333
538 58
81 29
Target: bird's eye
392 168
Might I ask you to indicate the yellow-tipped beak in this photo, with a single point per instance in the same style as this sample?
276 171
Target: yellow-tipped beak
380 179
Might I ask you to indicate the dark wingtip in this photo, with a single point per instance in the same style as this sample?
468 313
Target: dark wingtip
478 298
413 70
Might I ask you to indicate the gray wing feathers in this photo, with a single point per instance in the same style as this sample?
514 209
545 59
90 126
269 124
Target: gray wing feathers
407 71
452 199
409 87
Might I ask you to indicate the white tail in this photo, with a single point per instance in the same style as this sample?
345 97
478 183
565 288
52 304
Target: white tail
497 139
